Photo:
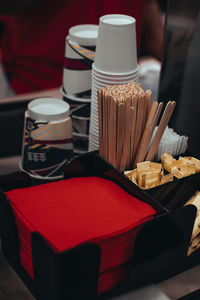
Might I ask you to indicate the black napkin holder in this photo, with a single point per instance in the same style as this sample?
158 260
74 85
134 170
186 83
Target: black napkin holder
160 249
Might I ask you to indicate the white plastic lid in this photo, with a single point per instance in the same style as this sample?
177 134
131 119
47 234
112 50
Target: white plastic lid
85 35
48 109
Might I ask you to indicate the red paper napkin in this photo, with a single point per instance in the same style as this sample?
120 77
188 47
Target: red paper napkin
71 212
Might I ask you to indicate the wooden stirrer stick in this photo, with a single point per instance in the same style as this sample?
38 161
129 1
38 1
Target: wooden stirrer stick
161 128
128 128
148 96
120 132
133 127
105 126
139 122
141 153
134 103
152 126
113 129
109 128
126 143
100 115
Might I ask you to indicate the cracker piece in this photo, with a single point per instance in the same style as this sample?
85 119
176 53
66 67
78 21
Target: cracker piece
152 179
195 242
167 161
189 169
153 174
143 166
177 173
177 163
194 246
155 166
142 169
195 200
141 179
197 163
134 178
152 182
129 173
196 228
190 251
189 160
166 178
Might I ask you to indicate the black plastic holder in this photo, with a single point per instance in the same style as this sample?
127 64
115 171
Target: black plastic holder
160 249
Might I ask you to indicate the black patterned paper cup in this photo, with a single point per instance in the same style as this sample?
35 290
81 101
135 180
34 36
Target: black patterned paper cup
80 124
78 106
48 141
80 142
80 46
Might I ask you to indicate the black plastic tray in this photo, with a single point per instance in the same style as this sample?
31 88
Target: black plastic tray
160 249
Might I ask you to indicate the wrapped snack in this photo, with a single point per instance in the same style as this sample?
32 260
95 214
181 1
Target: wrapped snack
184 166
195 200
151 174
195 239
167 162
192 161
148 175
167 178
195 245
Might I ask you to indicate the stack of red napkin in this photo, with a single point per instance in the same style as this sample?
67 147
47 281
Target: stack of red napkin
71 212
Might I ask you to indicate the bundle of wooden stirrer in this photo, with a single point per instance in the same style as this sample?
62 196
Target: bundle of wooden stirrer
127 119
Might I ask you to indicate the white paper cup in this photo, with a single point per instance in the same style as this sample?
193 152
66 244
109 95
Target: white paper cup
77 82
116 49
101 83
95 132
113 80
47 143
77 73
113 75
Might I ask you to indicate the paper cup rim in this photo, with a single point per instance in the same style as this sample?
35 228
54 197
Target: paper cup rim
80 118
123 74
83 41
102 76
95 77
35 115
99 83
82 135
80 151
70 97
102 20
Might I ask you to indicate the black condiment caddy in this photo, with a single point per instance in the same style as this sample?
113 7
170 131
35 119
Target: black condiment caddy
160 249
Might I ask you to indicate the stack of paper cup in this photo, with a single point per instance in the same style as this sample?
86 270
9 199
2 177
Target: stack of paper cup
76 89
115 62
